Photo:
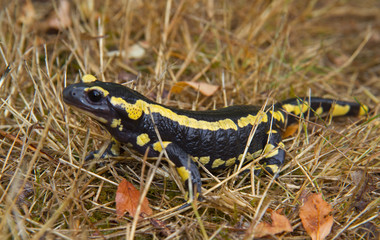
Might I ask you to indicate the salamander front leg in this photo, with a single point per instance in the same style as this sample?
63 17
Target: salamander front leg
112 150
186 168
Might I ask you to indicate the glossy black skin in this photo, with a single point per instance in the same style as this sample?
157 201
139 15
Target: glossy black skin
223 144
185 141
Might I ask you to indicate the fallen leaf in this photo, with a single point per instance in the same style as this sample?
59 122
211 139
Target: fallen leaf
127 200
315 217
290 130
204 88
136 51
61 19
279 224
28 13
164 229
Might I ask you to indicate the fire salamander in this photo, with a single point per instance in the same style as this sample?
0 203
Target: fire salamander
216 138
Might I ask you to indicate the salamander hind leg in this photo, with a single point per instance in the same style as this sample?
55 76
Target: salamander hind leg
112 150
274 154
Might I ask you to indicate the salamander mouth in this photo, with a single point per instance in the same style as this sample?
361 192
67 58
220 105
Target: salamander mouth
76 99
88 113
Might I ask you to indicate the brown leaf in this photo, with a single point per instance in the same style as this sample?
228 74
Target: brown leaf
290 130
127 200
28 13
204 88
161 226
315 217
279 224
61 19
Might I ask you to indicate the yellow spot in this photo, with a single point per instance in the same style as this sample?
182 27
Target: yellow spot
115 123
363 110
319 111
130 145
204 160
87 78
134 110
253 120
296 109
257 168
278 116
269 151
256 154
273 167
339 110
142 139
281 145
183 173
157 146
115 149
217 162
271 131
230 162
102 90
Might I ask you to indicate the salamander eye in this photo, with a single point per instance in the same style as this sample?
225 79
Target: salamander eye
94 95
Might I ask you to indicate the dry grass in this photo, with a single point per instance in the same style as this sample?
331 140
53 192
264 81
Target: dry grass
266 50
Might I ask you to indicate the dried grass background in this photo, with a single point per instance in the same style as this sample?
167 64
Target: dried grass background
257 51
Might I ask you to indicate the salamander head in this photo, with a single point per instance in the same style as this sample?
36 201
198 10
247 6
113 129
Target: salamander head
103 101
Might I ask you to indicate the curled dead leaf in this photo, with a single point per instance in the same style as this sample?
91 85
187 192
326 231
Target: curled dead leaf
204 88
127 200
280 223
315 217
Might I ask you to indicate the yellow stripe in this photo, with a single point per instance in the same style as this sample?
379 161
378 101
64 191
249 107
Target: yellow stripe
188 121
136 110
253 119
